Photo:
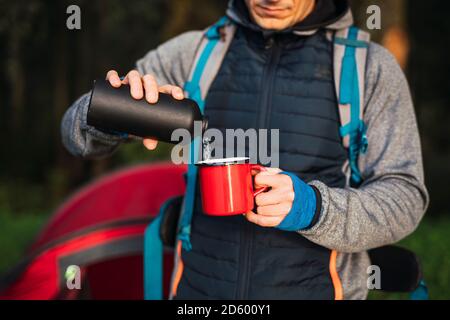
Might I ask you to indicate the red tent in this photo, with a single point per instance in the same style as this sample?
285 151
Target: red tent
100 229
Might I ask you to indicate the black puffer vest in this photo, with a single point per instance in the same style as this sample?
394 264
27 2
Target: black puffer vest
281 82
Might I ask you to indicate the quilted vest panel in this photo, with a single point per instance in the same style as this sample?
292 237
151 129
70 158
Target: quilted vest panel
283 82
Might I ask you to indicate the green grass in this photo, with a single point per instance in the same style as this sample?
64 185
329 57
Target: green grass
16 233
431 242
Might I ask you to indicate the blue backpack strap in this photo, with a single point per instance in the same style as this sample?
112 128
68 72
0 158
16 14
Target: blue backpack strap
421 292
193 87
350 55
209 58
196 89
153 259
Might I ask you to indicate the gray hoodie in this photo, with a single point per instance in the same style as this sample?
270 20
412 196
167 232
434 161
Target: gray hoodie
386 208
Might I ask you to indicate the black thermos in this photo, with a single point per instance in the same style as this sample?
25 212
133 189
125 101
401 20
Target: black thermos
115 110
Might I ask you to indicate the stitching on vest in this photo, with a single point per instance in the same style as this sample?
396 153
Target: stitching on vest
308 116
229 109
300 284
297 152
306 282
227 73
307 97
202 224
208 256
198 232
296 61
310 135
228 91
210 276
313 264
189 283
235 58
307 79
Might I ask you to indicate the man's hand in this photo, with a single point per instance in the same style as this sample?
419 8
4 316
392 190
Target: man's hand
272 206
144 86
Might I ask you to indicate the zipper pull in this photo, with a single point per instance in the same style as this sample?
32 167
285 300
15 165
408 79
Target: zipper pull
269 43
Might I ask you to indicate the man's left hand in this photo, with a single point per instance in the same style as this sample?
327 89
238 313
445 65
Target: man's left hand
272 206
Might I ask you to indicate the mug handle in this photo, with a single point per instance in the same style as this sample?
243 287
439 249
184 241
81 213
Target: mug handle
259 168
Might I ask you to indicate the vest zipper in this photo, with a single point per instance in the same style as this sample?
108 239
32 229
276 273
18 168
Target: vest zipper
265 102
244 260
268 82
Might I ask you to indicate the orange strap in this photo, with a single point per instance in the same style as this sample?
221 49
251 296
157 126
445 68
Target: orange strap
178 271
338 293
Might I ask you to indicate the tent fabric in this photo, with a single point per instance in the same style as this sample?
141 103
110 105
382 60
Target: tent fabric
101 230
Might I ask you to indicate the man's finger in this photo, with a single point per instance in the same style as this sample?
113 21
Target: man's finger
274 196
175 91
272 180
276 210
150 144
151 88
136 89
267 171
263 221
113 78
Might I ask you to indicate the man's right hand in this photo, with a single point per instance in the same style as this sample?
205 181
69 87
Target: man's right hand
144 86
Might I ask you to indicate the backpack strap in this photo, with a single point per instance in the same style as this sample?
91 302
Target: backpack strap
350 56
420 293
210 55
153 259
208 60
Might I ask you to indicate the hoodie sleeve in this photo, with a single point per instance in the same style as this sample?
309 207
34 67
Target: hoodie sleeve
393 198
169 63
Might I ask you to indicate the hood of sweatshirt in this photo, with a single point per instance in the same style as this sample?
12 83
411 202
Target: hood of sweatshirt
327 14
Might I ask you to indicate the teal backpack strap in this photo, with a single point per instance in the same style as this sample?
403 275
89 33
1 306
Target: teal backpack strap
350 56
209 58
153 259
421 292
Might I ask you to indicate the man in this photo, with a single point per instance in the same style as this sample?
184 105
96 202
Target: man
309 236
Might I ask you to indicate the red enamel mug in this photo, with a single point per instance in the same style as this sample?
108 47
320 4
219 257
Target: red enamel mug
227 186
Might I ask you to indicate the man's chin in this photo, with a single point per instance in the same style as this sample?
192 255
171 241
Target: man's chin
272 24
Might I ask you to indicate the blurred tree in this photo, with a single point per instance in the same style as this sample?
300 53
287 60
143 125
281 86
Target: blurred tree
193 15
19 20
48 66
429 70
393 33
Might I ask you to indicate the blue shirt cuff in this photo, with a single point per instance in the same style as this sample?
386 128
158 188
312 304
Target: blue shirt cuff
304 206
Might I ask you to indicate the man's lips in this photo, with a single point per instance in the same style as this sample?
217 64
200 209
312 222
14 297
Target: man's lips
271 11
